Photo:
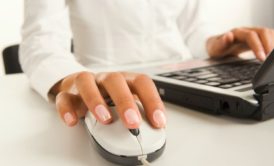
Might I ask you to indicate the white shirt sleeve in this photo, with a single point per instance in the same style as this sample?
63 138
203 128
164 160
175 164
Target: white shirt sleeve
196 28
46 43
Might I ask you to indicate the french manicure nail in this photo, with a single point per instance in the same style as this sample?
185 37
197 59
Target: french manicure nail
131 117
102 113
262 55
159 118
68 118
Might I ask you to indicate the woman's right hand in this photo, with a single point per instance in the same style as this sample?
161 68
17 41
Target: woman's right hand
84 91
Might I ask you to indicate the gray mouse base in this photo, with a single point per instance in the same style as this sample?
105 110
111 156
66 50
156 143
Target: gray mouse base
125 160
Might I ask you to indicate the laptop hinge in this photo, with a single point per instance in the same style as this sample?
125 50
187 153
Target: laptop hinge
266 103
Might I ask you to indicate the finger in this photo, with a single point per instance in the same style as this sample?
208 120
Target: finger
225 43
66 105
88 90
63 85
272 36
267 41
228 38
68 82
220 45
252 39
237 49
117 88
266 36
144 87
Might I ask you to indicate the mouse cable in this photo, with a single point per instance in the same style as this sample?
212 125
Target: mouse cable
144 161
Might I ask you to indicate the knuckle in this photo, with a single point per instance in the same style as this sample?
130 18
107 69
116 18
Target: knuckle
67 82
265 31
83 75
141 78
239 29
252 34
61 101
112 76
62 94
235 29
124 102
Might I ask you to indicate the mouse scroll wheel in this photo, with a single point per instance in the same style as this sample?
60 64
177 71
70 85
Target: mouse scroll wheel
135 132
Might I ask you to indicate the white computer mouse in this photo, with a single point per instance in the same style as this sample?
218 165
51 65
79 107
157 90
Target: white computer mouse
122 146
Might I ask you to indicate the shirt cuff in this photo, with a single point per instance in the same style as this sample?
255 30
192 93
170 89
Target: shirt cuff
50 72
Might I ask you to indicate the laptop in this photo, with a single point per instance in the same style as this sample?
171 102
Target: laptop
242 88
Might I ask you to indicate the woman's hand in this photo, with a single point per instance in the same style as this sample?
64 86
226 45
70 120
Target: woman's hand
86 91
259 40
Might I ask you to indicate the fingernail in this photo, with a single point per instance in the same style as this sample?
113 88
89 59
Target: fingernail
131 117
159 118
68 118
262 55
102 113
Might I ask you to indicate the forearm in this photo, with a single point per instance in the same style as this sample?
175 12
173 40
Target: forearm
45 48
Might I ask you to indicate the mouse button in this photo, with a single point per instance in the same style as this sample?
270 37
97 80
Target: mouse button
116 139
114 114
151 139
90 120
139 105
141 108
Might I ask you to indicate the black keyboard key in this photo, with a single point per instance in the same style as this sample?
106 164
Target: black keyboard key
213 83
180 73
214 79
207 76
246 82
228 81
202 81
191 79
237 84
167 75
180 77
202 73
226 86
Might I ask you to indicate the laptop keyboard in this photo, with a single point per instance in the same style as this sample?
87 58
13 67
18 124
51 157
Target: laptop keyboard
225 76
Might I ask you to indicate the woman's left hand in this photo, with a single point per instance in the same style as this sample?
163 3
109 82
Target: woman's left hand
259 40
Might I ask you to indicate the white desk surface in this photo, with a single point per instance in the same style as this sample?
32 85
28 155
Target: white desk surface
32 134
